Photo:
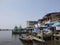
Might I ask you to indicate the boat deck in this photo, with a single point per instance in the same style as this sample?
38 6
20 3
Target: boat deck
37 39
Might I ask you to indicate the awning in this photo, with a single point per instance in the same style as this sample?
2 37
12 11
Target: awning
50 23
36 30
56 24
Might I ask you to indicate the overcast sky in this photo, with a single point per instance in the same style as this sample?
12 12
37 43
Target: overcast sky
17 12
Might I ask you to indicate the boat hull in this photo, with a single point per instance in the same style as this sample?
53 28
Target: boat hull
25 40
17 32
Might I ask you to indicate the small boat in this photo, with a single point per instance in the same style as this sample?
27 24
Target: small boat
18 32
15 32
26 42
26 38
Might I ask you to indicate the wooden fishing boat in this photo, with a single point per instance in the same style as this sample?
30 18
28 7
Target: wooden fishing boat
26 38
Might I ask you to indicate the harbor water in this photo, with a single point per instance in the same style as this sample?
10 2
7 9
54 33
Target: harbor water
7 38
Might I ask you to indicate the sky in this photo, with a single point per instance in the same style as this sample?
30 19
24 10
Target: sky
17 12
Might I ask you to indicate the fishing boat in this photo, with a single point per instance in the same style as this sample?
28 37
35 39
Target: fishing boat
15 32
26 38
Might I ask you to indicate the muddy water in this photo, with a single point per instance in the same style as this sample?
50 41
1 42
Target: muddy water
6 38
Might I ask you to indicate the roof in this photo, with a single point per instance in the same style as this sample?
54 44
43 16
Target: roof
52 13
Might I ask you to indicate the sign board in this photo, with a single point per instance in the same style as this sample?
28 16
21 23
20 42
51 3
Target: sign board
57 28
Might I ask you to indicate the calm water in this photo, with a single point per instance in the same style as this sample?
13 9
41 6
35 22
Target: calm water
6 38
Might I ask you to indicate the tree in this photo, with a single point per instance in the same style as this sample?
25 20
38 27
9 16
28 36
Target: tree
16 28
20 28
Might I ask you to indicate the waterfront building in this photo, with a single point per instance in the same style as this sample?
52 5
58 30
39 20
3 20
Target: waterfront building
52 17
31 23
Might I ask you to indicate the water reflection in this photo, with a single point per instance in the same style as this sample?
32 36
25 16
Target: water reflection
26 43
52 42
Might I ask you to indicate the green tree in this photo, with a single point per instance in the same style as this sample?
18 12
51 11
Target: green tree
16 28
20 28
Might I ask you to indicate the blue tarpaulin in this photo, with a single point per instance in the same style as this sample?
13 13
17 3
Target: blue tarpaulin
45 29
56 24
36 30
50 24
